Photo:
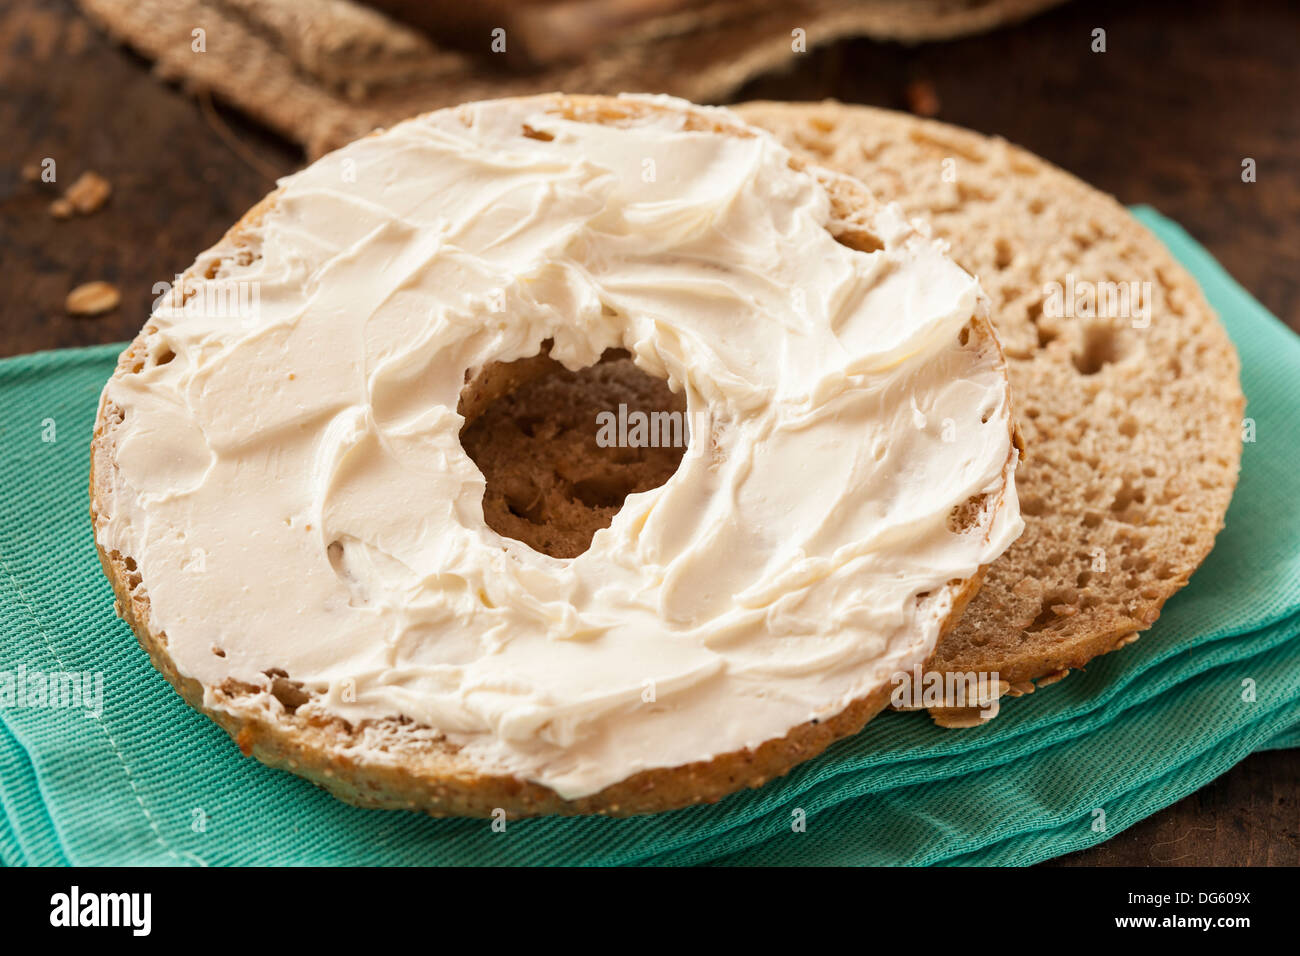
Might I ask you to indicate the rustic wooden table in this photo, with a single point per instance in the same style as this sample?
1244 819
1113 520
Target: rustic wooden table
1183 94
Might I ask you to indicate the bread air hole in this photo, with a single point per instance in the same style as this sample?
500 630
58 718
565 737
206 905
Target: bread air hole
560 451
289 693
1099 345
860 240
1056 608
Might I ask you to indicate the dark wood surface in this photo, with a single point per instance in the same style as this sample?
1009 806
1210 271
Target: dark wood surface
1184 92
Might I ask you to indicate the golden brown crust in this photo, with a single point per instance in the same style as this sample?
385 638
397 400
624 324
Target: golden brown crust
420 771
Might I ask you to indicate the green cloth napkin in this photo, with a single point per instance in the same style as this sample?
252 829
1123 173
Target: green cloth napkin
147 780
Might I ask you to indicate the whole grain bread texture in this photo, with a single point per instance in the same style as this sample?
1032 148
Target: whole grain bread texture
549 483
1132 422
393 763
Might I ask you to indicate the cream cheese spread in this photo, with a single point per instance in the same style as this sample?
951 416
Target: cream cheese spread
292 487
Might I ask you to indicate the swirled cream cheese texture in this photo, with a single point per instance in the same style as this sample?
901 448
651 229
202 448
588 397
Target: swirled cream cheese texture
293 489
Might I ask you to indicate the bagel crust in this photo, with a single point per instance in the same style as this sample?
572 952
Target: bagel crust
397 764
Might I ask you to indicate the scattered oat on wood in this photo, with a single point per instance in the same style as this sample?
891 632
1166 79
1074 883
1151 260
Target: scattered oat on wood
61 209
88 192
92 298
31 172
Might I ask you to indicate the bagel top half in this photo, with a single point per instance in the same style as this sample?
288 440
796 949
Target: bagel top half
296 534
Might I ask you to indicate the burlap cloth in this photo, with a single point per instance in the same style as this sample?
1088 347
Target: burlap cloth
322 72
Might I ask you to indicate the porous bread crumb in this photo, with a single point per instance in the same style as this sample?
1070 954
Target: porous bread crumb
1132 423
549 484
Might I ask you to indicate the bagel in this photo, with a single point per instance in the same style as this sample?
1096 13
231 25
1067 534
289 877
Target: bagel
1132 422
297 537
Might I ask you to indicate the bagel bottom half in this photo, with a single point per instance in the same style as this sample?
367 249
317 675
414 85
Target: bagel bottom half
420 769
1132 422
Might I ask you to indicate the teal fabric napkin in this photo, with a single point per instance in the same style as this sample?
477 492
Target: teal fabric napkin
143 779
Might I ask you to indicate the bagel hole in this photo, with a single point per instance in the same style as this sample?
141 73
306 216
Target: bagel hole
560 451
